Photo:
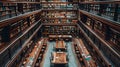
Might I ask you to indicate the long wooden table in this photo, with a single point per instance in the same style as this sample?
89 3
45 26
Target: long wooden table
60 36
57 37
59 58
60 45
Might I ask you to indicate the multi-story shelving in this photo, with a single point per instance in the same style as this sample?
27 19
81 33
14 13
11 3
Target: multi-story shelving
59 11
60 30
102 31
18 23
107 10
7 10
59 16
96 23
12 9
60 5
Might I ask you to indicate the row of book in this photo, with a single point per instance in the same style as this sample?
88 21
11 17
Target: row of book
8 10
59 6
60 21
59 29
59 0
105 10
59 14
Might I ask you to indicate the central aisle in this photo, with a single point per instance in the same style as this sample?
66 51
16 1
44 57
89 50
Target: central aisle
72 61
46 62
71 55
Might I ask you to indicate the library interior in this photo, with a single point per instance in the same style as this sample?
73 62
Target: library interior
59 33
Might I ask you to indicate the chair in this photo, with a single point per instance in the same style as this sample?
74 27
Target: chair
51 58
37 65
67 57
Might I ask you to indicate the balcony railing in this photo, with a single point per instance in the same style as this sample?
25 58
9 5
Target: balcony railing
107 9
9 9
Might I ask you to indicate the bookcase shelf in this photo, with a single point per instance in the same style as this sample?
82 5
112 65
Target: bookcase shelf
59 11
65 30
15 8
60 6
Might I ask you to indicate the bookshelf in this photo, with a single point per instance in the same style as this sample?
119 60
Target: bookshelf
12 9
60 6
60 14
15 29
59 30
59 1
59 11
115 37
14 32
7 10
108 10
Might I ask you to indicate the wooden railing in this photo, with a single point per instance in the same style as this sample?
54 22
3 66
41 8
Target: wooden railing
106 9
103 33
12 61
9 9
9 21
16 33
106 63
113 24
13 27
18 45
59 24
100 2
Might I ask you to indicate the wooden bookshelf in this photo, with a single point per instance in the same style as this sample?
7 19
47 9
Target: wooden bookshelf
60 6
106 9
54 30
9 9
59 11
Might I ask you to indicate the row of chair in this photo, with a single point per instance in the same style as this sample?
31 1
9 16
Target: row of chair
78 54
41 54
56 39
25 55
